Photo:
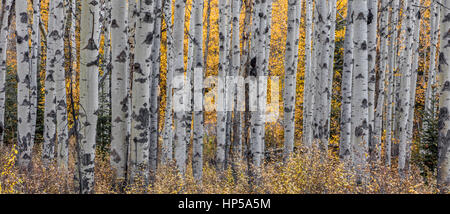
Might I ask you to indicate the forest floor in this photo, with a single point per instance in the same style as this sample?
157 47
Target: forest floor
301 174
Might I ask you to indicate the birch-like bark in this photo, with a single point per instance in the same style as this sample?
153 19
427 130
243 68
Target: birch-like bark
377 131
360 113
238 98
294 8
140 106
392 68
119 88
57 34
372 18
405 87
221 99
309 77
345 148
154 91
24 135
167 147
34 63
332 37
55 62
443 167
89 62
414 69
197 144
4 31
321 119
180 137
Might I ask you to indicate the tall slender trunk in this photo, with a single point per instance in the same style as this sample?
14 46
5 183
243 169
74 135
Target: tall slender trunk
309 78
34 63
140 106
221 90
197 144
154 95
24 135
345 148
294 11
4 32
416 14
443 168
119 96
405 87
167 146
372 18
180 137
360 113
60 84
392 68
89 62
380 92
321 119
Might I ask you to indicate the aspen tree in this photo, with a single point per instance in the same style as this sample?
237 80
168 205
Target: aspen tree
140 106
345 148
443 167
360 113
119 88
294 8
24 103
89 57
4 31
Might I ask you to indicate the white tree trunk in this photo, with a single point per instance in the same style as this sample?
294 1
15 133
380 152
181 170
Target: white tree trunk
405 87
24 103
89 57
221 90
140 106
321 119
377 131
294 9
309 78
372 6
392 68
4 32
57 35
35 64
360 113
154 90
443 168
197 148
167 146
345 148
119 83
180 137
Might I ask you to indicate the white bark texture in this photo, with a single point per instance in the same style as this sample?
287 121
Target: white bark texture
197 144
443 168
360 113
140 106
405 87
309 78
119 87
345 148
322 94
294 9
24 134
167 146
89 57
180 137
4 32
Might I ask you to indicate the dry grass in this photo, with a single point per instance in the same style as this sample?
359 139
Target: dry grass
303 173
